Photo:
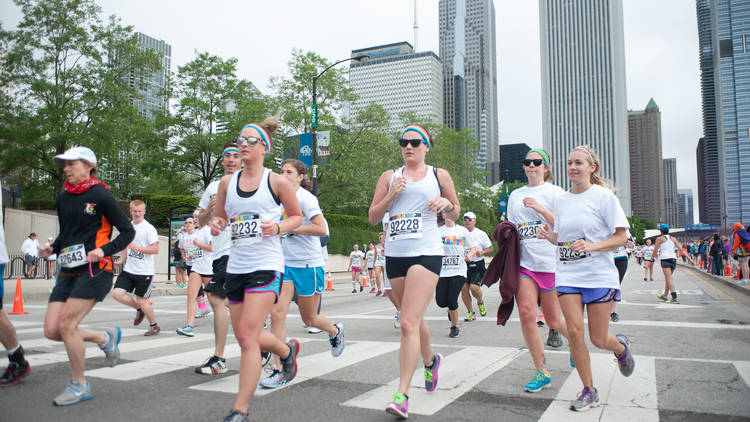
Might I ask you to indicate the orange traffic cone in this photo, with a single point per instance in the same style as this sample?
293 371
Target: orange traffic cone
728 272
329 281
18 300
737 273
364 280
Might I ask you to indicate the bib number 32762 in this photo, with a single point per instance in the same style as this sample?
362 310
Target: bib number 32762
72 256
405 226
246 229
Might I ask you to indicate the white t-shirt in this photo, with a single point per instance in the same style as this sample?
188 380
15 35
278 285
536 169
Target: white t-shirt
456 241
356 257
203 259
536 254
223 241
52 257
30 247
648 252
139 263
186 244
302 251
593 215
3 251
481 241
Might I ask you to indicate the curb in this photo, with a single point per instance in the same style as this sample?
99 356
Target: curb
744 289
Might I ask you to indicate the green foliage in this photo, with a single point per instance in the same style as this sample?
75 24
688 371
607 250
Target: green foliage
158 206
638 227
347 230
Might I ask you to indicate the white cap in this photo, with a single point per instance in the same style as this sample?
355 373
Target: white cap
470 215
77 153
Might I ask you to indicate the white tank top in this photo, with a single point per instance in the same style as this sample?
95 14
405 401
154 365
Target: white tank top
250 251
666 249
412 228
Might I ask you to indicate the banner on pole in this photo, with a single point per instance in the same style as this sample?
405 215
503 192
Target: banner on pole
324 151
305 149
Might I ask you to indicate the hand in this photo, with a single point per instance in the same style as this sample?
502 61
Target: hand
133 246
543 232
269 228
211 204
532 203
217 226
96 255
45 251
582 246
439 204
398 185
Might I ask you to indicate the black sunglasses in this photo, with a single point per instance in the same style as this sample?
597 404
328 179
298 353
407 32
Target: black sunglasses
251 140
414 142
537 162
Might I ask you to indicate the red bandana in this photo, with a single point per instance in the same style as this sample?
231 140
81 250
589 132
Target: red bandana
83 186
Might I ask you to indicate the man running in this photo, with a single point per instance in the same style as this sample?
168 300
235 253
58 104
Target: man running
138 271
475 267
217 364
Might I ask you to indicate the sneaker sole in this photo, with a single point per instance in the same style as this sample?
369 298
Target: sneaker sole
185 333
19 378
393 410
531 390
585 408
83 398
343 343
294 359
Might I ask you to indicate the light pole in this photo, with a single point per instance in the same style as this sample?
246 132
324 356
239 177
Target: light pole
314 117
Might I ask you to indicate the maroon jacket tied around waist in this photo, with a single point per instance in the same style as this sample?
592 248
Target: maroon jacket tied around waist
504 267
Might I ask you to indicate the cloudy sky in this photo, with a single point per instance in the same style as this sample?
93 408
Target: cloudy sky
661 50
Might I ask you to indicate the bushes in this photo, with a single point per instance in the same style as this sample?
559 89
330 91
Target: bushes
38 204
158 206
347 230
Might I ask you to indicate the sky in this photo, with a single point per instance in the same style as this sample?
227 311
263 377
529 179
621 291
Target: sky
661 50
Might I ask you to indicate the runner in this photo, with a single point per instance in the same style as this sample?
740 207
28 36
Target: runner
251 200
380 263
667 248
529 207
638 252
589 224
138 273
217 364
387 291
304 271
648 261
197 246
457 248
18 366
355 266
86 213
413 196
621 262
476 267
370 260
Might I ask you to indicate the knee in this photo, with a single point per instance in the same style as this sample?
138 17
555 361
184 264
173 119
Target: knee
309 320
246 340
278 313
599 341
65 326
575 333
409 326
527 311
52 332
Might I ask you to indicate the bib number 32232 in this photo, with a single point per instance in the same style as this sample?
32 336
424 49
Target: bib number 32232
246 229
405 226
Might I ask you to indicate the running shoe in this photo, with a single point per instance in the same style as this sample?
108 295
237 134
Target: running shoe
540 380
482 309
272 381
662 297
354 290
313 330
373 290
110 348
586 400
397 322
212 366
187 330
361 288
673 300
237 416
454 332
202 312
650 279
14 373
625 361
138 317
74 393
152 331
379 293
431 373
399 406
644 279
554 339
471 316
540 320
289 364
614 317
337 341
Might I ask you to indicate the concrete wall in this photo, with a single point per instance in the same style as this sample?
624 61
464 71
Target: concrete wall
19 223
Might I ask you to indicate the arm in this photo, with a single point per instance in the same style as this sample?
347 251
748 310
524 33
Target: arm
448 201
536 206
204 246
655 254
151 249
486 250
288 197
545 232
220 220
613 242
383 196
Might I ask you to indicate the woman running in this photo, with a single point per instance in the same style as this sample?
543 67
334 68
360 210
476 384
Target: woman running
356 257
413 195
529 208
457 248
667 248
197 246
589 225
304 270
648 261
250 201
370 260
86 213
380 263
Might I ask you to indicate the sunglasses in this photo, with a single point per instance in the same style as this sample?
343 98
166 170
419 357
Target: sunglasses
414 142
189 222
537 162
468 219
251 140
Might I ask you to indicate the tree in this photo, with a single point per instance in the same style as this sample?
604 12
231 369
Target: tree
66 87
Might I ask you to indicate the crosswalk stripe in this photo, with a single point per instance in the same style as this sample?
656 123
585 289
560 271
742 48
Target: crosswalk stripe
18 324
459 373
621 398
311 366
743 368
45 342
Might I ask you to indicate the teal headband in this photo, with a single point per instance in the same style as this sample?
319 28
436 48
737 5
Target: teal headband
542 153
263 135
420 130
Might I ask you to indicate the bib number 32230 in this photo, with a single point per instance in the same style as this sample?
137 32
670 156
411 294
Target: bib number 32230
246 229
405 226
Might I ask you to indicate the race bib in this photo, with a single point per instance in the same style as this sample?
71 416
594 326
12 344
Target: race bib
72 256
566 255
405 226
192 253
246 229
132 253
452 261
528 230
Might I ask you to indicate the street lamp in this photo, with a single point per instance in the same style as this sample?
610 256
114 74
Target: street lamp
314 117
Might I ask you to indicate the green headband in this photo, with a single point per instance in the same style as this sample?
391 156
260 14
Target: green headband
542 153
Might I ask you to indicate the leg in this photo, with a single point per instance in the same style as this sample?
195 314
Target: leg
308 306
221 322
476 291
279 311
71 315
466 298
125 298
526 298
378 275
552 312
194 284
7 332
146 308
598 328
572 308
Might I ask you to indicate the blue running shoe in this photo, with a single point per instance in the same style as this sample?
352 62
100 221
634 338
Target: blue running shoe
540 380
74 393
273 381
110 348
337 341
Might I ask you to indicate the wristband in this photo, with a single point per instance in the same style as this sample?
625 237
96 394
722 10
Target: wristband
278 227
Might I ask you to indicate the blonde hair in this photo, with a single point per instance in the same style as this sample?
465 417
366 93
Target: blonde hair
593 159
136 203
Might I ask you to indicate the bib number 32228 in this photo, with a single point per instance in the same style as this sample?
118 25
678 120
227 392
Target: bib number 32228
405 226
246 229
567 255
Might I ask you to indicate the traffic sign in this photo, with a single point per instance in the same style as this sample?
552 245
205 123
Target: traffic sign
314 116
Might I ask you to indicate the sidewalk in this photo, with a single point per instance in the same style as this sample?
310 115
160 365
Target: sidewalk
38 289
726 280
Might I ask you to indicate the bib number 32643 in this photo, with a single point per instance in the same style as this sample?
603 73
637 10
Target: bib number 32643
405 226
246 229
72 256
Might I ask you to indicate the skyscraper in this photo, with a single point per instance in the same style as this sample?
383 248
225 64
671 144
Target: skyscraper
400 80
724 35
583 86
511 162
150 85
685 207
467 48
671 206
646 168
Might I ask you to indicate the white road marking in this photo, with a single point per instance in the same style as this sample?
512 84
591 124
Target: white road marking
743 368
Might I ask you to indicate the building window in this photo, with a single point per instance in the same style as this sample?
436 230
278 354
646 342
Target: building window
725 48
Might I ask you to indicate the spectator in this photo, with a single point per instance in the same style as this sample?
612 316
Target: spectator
727 250
30 249
51 260
716 252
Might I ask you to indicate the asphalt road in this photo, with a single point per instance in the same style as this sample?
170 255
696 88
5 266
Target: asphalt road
692 363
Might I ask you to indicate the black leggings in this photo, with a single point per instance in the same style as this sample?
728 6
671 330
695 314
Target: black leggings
447 291
622 266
